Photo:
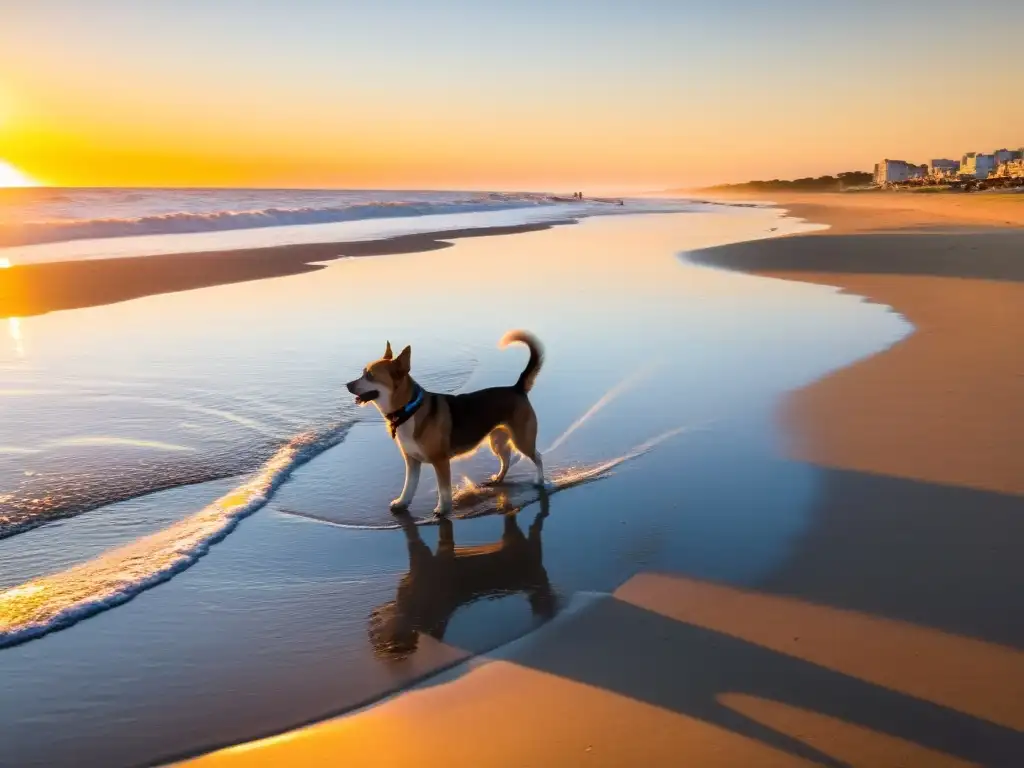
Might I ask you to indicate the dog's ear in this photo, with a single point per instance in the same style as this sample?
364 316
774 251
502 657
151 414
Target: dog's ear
387 352
403 361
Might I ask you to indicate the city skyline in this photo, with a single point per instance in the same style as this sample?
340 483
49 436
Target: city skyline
1002 162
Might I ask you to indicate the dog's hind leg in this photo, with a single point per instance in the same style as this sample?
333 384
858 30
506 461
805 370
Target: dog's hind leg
539 463
412 479
524 437
501 446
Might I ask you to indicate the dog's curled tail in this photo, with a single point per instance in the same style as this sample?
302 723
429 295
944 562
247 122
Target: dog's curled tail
529 374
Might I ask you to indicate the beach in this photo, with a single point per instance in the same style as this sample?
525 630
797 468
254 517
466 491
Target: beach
945 406
197 549
788 516
889 633
257 262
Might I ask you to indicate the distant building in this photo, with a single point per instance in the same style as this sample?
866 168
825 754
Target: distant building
1012 168
978 165
892 171
943 169
1002 156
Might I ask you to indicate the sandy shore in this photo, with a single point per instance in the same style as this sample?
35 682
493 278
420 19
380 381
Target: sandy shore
947 404
899 211
891 635
34 289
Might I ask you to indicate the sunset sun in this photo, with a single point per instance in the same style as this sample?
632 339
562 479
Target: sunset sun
12 177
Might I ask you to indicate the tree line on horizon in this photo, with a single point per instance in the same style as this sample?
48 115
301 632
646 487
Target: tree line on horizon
807 184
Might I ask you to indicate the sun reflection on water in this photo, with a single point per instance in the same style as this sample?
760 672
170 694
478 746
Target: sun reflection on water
14 329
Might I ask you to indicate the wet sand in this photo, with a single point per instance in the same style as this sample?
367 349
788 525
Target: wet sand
34 289
946 405
890 635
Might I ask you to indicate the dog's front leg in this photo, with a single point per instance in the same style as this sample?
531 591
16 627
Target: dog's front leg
412 479
443 469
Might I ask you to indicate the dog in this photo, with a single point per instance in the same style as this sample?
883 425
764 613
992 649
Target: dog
439 583
435 428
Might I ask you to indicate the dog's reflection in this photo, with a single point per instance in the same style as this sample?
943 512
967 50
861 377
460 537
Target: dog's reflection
437 584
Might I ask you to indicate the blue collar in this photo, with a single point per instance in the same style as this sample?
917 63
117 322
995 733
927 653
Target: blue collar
403 414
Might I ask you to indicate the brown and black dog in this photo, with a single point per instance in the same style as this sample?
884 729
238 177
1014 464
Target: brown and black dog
435 428
437 584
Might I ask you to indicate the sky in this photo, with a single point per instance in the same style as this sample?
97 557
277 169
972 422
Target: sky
496 94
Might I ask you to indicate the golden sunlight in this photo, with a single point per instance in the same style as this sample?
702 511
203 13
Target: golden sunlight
14 329
12 177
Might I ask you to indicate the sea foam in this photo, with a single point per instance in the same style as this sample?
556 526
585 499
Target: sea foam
188 222
59 600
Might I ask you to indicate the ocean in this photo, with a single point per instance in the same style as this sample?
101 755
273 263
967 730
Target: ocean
195 544
50 224
49 215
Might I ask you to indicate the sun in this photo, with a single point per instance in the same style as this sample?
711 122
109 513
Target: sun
12 177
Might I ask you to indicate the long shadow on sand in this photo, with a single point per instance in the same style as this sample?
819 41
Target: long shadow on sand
926 555
941 556
688 669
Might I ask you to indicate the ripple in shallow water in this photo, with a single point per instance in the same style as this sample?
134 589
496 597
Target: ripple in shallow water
472 500
88 443
41 497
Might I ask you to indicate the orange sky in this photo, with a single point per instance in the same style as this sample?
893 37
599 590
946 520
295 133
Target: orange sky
450 95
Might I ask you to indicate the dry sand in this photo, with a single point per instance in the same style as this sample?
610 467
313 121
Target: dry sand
893 633
900 211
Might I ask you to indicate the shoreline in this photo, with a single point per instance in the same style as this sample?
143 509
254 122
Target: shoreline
852 212
943 405
36 289
912 558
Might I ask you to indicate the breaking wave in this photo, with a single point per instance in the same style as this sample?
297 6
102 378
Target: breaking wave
59 600
187 222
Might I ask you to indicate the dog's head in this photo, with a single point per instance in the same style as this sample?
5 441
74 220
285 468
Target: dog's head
382 378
